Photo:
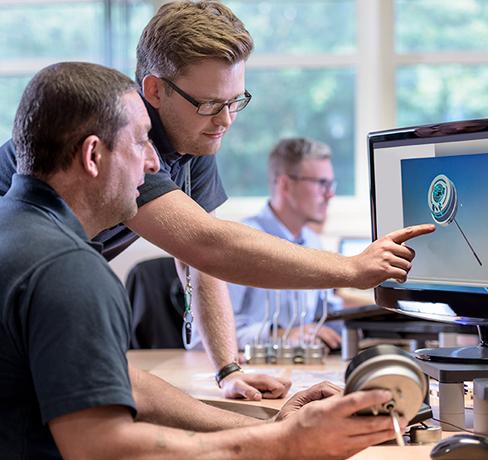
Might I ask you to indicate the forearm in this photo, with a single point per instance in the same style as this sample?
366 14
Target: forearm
160 403
253 258
243 443
234 252
109 433
214 316
239 254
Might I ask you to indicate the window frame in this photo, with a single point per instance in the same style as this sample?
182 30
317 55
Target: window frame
375 62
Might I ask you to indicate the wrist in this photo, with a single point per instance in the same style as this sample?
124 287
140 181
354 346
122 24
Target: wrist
225 371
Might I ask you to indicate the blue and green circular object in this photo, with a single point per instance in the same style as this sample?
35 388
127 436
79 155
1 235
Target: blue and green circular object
442 200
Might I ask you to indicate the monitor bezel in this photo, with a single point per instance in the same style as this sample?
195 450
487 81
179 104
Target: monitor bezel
466 308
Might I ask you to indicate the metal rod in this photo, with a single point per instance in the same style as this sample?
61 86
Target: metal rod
258 338
323 298
469 244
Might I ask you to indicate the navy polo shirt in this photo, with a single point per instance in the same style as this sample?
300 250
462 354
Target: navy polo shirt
206 185
64 321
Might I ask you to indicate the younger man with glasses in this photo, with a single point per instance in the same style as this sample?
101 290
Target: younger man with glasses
301 181
201 47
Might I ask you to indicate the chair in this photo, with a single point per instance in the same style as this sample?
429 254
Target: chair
157 301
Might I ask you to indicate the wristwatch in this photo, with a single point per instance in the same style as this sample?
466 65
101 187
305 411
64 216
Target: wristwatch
225 371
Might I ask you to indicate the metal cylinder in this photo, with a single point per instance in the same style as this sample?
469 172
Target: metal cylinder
255 354
315 353
480 406
285 354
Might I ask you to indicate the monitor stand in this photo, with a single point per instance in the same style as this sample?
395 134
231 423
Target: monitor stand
459 355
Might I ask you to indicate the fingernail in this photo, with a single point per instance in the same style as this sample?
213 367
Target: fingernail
257 397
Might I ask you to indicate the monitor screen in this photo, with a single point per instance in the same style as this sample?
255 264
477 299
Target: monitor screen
435 174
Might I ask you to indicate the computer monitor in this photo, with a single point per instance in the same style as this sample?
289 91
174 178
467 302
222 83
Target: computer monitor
436 174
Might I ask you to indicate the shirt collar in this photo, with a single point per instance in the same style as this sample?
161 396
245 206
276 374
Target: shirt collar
37 193
160 139
271 224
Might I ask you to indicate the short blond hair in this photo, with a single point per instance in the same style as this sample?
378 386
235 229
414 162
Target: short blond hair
184 32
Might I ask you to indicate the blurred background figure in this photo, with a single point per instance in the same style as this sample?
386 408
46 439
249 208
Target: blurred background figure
301 182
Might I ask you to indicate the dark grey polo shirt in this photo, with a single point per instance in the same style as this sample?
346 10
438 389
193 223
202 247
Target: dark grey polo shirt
64 321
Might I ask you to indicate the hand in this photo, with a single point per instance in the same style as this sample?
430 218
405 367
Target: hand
387 257
325 333
328 427
298 400
254 386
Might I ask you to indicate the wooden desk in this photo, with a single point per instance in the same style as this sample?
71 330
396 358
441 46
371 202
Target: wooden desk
191 372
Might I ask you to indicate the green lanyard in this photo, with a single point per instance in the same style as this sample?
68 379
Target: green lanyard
188 315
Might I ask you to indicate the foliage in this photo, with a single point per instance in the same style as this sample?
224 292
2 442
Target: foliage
288 103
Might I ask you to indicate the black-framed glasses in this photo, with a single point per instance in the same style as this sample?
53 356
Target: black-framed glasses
210 108
326 185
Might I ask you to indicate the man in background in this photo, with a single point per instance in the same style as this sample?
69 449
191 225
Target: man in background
302 182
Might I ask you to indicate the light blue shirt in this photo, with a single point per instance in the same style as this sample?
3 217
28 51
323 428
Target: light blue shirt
249 303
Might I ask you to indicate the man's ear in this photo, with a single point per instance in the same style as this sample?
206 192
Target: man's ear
91 155
282 183
151 88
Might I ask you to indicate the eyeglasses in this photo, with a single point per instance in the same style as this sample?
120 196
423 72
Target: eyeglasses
326 185
210 108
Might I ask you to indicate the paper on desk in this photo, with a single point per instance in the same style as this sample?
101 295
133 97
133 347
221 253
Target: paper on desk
302 379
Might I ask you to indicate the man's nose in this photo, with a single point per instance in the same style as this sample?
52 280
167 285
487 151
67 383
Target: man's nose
224 118
151 163
329 192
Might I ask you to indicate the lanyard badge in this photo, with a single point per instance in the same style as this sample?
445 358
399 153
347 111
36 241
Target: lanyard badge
188 314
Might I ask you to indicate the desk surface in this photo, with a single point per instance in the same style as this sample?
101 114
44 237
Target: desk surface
192 373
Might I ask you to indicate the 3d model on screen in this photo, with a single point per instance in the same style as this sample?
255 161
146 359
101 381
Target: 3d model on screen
443 204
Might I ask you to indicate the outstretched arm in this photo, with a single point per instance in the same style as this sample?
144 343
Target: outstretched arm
239 254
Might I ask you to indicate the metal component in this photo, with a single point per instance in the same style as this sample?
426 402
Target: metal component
451 411
323 298
396 427
392 371
480 406
292 319
267 304
285 354
276 315
255 354
299 355
425 434
302 309
349 343
272 351
315 353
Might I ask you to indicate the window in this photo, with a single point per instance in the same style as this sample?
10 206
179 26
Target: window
302 77
442 60
333 70
37 33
